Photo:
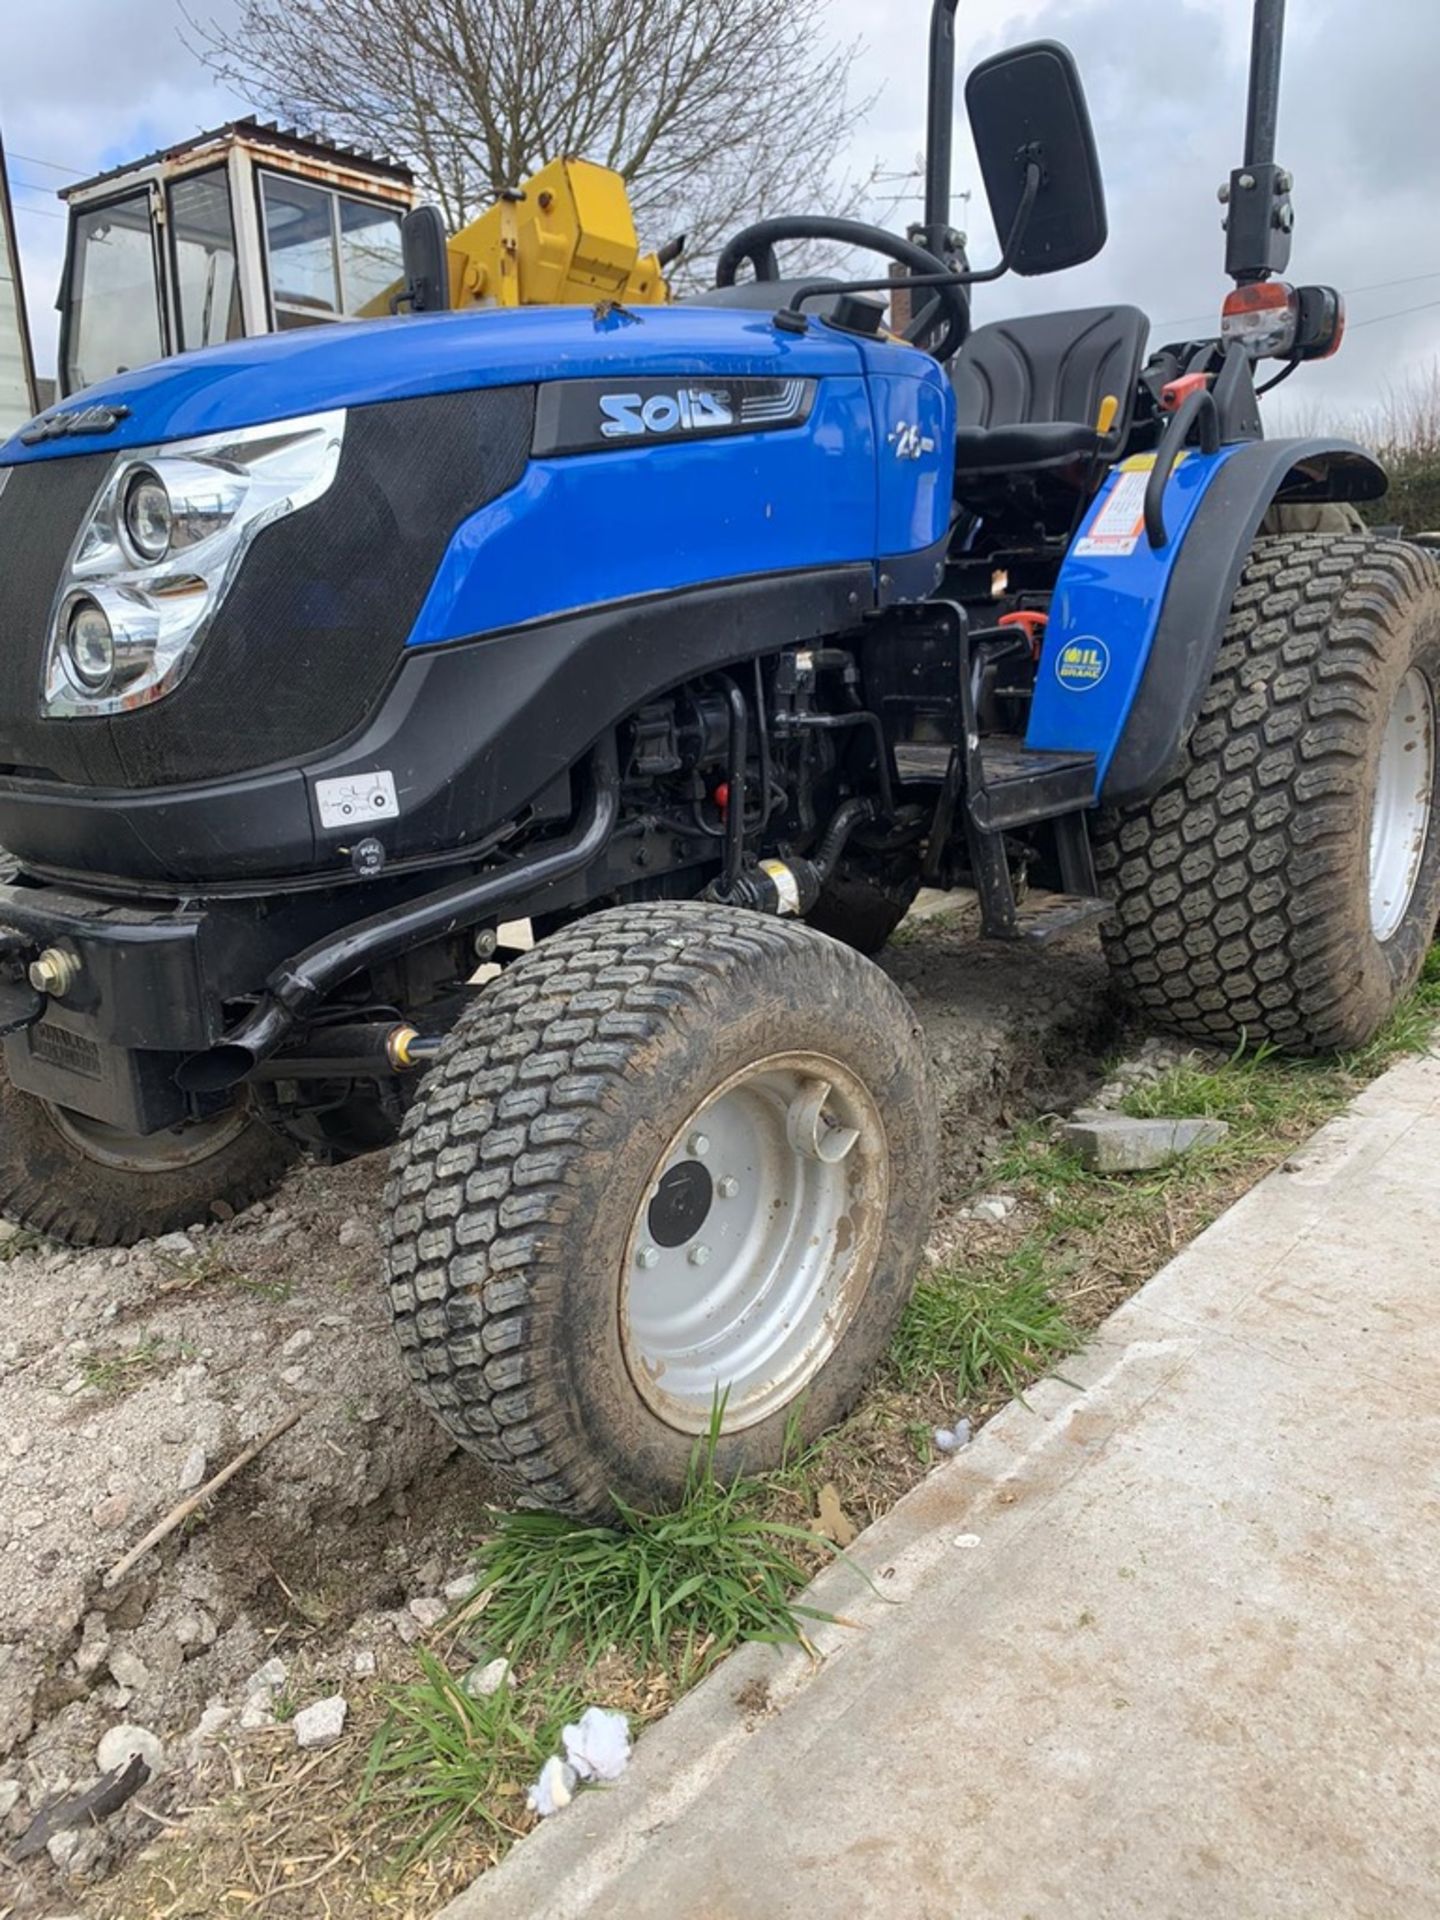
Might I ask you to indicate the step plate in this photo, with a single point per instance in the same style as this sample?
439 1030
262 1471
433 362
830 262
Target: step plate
1043 917
1020 785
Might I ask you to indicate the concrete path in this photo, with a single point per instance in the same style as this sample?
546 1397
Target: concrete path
1159 1646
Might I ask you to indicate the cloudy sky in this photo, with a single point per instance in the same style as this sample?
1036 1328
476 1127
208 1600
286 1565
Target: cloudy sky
86 83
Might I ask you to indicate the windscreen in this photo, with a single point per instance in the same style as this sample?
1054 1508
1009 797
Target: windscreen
112 317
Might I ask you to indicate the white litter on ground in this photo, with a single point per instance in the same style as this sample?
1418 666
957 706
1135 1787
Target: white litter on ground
598 1744
952 1439
553 1790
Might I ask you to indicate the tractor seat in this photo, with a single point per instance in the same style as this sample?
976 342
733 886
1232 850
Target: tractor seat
1028 392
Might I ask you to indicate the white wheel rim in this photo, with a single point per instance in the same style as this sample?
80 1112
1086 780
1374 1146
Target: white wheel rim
754 1243
1400 812
166 1152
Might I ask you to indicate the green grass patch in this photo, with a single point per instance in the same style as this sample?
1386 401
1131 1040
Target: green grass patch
670 1590
23 1242
987 1326
442 1759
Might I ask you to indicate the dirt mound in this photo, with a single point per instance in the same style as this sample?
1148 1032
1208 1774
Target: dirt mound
127 1378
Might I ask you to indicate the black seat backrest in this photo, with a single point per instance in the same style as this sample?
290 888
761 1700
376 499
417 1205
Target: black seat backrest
1051 367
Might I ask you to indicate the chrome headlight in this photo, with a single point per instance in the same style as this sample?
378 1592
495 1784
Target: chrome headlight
158 550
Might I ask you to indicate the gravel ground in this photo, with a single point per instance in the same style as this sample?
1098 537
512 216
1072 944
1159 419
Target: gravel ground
127 1378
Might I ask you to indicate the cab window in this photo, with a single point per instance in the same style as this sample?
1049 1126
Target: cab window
112 322
329 254
202 232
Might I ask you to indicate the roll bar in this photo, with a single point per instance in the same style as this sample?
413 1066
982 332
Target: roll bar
1260 216
940 129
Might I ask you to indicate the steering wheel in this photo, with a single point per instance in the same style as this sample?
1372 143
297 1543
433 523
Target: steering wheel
947 305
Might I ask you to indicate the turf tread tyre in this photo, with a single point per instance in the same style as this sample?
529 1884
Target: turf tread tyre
537 1107
1240 888
50 1186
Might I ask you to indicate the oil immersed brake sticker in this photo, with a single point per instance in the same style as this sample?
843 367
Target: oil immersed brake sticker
1117 527
1083 663
356 797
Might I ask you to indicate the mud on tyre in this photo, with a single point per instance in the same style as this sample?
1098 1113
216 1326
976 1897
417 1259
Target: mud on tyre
1283 885
630 1183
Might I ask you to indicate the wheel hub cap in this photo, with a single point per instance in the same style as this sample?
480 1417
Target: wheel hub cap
754 1242
1400 813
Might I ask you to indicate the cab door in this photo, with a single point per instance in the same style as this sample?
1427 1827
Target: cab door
112 313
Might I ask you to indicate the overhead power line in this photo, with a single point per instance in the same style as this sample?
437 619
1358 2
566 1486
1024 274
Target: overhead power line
52 166
1373 286
1399 314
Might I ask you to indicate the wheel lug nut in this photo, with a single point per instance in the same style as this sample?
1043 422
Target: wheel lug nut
648 1257
728 1187
698 1144
698 1256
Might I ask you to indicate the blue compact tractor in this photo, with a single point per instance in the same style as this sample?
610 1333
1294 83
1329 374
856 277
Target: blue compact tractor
700 635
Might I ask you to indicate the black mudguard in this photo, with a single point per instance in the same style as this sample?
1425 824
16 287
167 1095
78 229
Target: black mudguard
1203 584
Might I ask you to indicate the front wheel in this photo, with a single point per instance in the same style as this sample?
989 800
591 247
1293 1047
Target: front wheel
1284 884
679 1158
91 1185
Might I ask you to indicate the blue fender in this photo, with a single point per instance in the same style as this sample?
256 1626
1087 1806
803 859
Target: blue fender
1134 630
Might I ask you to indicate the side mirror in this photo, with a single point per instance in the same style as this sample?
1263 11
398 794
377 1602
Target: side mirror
427 264
1027 105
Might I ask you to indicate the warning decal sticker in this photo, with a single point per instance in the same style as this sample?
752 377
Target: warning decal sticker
1117 527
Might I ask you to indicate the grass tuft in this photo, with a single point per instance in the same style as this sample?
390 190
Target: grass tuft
22 1242
441 1758
987 1326
126 1368
674 1590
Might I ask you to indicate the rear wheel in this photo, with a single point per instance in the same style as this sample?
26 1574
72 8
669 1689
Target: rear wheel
678 1155
91 1185
1284 884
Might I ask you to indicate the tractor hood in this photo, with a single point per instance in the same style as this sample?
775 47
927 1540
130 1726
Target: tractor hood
251 383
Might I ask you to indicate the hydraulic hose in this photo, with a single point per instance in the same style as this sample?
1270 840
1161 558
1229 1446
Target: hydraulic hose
299 984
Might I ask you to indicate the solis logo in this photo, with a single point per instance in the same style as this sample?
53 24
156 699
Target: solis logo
626 415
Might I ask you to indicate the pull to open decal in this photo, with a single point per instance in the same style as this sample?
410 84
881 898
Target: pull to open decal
586 416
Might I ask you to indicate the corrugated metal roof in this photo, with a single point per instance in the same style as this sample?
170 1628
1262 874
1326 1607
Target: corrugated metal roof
250 128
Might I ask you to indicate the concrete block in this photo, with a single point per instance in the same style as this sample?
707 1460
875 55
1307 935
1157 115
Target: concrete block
1115 1143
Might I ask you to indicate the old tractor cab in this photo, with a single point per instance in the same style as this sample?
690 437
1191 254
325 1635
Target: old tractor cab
245 230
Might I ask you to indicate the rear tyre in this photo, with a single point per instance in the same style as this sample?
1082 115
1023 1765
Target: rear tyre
1284 884
677 1152
77 1180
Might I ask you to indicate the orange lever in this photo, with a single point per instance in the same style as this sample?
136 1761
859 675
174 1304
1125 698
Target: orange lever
1174 391
1033 624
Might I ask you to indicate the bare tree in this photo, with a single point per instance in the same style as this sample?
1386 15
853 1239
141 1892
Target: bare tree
716 112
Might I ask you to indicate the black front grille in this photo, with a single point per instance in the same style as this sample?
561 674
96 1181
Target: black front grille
313 627
41 508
